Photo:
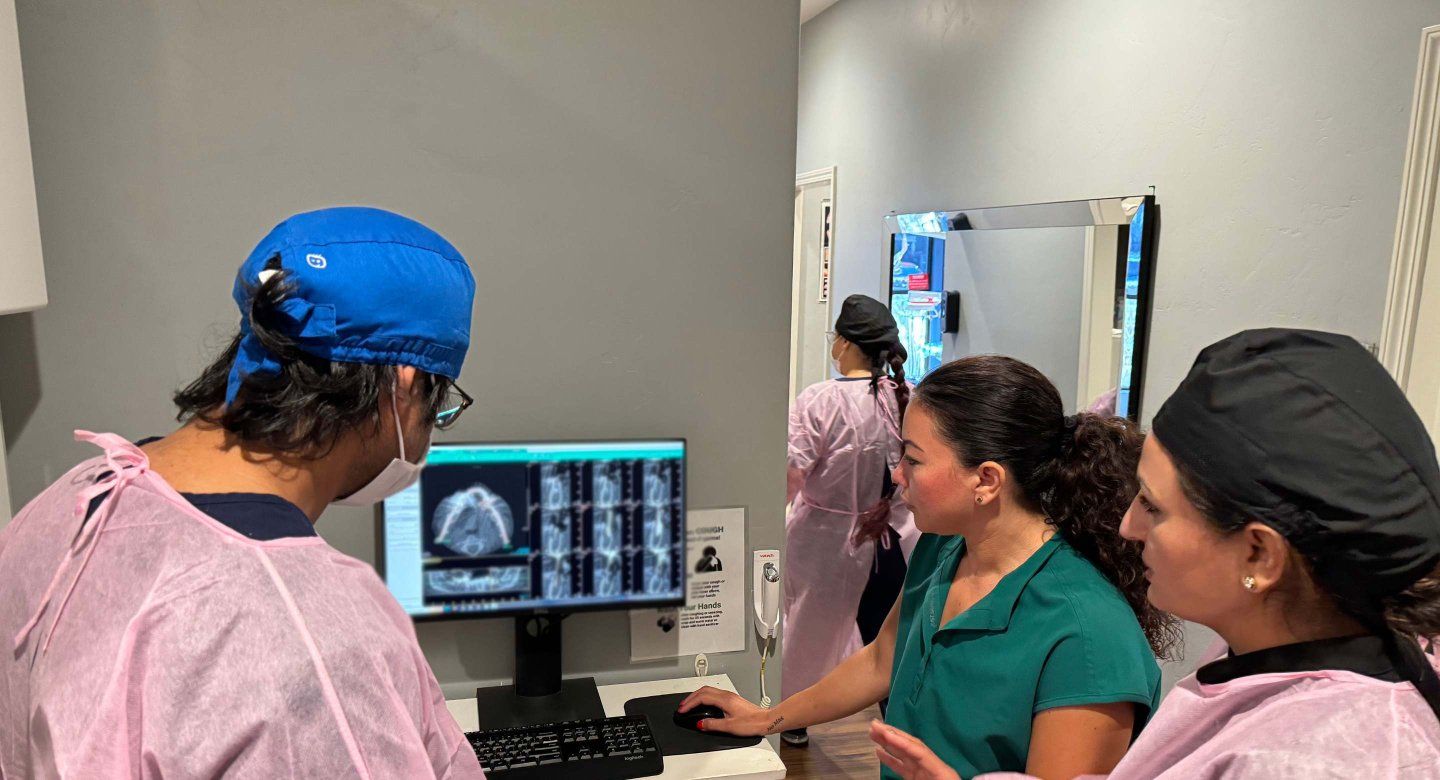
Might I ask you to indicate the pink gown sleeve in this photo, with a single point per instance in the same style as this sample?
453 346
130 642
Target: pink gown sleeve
449 751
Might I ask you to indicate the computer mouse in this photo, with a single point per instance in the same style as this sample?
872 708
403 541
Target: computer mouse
689 720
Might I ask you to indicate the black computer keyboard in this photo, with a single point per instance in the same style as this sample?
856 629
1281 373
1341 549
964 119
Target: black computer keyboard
600 749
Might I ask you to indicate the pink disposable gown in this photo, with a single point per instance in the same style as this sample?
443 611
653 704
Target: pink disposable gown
842 438
1286 725
156 642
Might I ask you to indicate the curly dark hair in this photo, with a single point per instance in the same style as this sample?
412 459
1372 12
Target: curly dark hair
304 409
1079 471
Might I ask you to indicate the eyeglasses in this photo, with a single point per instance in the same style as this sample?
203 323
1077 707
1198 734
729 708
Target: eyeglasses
455 402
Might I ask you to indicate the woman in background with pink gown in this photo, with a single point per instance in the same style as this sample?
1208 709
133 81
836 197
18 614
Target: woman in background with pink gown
846 534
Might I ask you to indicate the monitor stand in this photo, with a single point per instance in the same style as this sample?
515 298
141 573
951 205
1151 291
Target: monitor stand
539 695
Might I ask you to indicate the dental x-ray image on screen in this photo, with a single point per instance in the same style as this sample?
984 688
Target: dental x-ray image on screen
494 529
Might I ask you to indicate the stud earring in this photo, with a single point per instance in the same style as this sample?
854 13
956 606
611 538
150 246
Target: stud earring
977 499
1249 583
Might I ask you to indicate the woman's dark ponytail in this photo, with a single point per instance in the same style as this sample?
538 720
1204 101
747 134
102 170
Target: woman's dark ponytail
1416 610
1411 620
889 362
1084 493
893 358
1078 470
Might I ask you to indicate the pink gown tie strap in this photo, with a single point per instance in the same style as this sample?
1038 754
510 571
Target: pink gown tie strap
127 463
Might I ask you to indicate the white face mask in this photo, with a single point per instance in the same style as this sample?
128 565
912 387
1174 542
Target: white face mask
397 476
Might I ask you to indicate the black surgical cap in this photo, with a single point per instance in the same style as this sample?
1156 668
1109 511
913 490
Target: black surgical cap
1309 434
868 324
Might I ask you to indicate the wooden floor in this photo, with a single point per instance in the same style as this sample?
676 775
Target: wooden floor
839 750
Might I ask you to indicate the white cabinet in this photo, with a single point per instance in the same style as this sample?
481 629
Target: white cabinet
22 274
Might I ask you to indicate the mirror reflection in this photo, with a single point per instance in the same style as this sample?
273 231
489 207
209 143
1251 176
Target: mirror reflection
1063 286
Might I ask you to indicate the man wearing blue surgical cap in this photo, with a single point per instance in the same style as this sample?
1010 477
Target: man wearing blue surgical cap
168 608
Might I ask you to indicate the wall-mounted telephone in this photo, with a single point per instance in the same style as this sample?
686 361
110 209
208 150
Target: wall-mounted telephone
767 608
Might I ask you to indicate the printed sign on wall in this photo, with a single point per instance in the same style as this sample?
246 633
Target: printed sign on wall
713 618
825 232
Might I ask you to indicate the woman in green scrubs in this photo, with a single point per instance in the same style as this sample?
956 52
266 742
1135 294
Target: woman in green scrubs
1022 640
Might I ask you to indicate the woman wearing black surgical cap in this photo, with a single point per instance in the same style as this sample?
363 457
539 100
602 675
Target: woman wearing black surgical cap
1290 500
844 559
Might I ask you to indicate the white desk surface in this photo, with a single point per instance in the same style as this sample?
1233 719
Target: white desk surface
760 762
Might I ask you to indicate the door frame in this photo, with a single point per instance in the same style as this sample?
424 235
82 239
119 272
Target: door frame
797 281
1417 211
1099 341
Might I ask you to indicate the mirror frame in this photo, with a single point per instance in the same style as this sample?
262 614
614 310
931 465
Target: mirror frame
1071 213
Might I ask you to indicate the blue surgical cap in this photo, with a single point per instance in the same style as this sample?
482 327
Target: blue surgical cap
368 286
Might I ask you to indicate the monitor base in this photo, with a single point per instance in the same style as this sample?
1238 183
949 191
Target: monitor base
539 695
501 707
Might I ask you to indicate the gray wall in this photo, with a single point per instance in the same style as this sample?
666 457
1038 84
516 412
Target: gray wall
1020 295
619 174
1274 133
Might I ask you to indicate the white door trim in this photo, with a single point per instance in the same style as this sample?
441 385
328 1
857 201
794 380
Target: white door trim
1083 390
1417 208
817 176
1099 342
797 268
797 286
1087 293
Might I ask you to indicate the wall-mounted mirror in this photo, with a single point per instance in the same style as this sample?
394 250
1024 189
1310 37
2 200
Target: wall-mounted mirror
1063 286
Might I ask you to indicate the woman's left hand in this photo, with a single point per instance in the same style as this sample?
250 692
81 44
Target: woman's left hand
907 756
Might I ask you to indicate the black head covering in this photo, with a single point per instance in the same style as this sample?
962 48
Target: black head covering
1310 435
868 324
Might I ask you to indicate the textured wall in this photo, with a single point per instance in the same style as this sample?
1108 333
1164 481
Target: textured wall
619 175
1274 133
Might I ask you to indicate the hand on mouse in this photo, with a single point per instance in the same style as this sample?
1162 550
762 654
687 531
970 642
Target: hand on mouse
742 718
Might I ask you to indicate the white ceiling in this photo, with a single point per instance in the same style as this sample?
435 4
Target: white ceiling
809 9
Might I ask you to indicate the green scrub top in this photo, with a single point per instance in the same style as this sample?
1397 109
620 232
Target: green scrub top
1053 633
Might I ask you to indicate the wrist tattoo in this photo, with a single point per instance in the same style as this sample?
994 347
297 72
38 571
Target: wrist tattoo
776 723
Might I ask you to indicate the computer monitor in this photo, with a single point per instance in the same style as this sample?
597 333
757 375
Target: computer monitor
539 527
537 530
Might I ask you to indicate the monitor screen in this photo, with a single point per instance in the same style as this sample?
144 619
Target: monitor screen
503 529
